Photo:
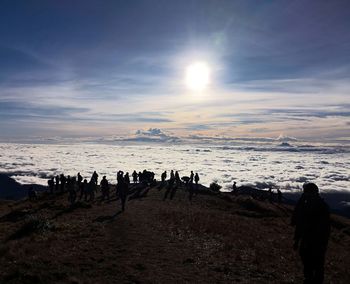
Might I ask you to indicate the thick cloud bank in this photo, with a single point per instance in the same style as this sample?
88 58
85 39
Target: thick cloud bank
261 165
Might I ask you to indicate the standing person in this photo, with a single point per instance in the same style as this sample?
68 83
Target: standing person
171 189
312 229
127 178
122 191
196 179
72 194
104 188
51 184
195 187
163 177
94 177
134 176
191 177
57 183
63 182
234 188
177 178
83 189
91 190
79 179
140 175
120 176
69 181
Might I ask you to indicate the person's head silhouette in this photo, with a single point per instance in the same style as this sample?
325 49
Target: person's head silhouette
310 189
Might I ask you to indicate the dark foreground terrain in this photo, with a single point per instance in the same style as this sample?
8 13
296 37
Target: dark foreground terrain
216 239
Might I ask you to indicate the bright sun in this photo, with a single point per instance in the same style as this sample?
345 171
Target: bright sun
197 76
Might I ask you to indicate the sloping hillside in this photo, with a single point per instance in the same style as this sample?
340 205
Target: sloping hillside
12 190
215 239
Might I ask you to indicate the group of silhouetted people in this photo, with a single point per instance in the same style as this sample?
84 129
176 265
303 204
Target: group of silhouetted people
79 188
311 216
74 185
191 183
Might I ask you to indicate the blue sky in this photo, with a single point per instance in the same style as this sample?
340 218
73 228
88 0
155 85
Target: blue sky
100 68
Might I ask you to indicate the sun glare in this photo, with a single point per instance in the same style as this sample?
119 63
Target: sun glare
197 76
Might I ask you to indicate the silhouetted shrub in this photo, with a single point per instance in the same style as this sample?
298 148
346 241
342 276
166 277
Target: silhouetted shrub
214 186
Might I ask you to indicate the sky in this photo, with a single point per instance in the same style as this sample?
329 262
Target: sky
109 68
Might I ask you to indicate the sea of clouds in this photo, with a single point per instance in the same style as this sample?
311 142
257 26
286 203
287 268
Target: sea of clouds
262 163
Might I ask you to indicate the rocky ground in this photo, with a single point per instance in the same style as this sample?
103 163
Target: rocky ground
213 239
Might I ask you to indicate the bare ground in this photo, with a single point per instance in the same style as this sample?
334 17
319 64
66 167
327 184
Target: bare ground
214 239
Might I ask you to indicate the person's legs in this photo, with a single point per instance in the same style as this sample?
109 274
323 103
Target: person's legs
306 258
319 259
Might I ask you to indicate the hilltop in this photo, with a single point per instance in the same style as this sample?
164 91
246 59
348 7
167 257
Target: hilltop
216 238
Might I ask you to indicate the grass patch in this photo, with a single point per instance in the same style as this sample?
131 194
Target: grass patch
33 224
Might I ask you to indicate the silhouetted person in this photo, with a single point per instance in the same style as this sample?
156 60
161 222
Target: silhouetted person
68 181
120 176
312 230
83 189
71 191
191 189
147 178
51 184
134 176
177 178
57 178
90 191
140 177
196 179
191 177
104 188
279 196
79 179
122 191
94 177
63 182
163 177
127 178
234 188
171 188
